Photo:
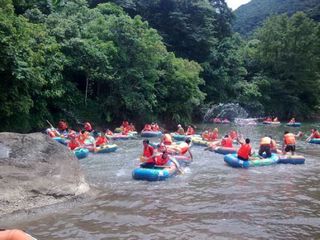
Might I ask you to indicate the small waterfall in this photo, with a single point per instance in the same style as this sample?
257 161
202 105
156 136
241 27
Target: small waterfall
229 111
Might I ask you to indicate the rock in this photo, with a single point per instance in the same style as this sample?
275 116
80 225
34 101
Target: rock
36 171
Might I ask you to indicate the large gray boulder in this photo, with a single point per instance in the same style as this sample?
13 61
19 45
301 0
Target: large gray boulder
36 171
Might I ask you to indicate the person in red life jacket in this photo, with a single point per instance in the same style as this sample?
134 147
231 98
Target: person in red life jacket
275 119
108 132
205 135
87 126
182 148
147 127
14 234
268 119
148 155
190 130
132 127
124 124
153 127
63 128
214 134
314 134
226 142
265 146
292 120
244 151
180 130
74 141
125 130
162 159
233 134
156 127
289 142
166 139
100 140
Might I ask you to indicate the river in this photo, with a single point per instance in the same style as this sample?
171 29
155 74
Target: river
209 201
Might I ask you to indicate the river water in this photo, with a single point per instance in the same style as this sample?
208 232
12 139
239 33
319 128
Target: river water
210 201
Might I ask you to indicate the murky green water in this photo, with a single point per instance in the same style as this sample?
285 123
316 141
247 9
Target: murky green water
210 201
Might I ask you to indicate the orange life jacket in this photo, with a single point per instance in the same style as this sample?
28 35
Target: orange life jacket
289 139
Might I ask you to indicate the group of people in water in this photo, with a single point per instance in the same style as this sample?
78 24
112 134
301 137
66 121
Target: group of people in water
86 137
267 144
89 138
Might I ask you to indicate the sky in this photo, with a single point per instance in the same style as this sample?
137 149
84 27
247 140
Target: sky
234 4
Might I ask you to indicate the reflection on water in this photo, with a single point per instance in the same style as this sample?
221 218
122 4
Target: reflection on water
211 200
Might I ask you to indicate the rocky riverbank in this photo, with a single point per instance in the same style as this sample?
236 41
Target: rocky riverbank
36 171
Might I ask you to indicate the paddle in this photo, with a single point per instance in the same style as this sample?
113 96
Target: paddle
212 145
177 165
51 126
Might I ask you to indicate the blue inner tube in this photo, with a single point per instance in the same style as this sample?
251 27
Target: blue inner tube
151 134
234 161
224 150
155 173
288 159
81 153
296 124
107 148
179 137
61 140
315 140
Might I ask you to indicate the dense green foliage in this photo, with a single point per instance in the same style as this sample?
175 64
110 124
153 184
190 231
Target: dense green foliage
149 60
251 16
287 64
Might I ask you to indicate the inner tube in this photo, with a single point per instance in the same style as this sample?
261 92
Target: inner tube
315 140
291 159
81 153
224 150
179 137
296 124
156 173
61 140
151 134
233 161
271 123
107 148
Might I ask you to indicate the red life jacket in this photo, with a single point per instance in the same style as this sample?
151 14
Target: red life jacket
244 151
226 142
183 148
159 160
73 144
101 140
148 151
147 127
316 134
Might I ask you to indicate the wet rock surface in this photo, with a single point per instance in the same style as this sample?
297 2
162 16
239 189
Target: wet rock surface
36 171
